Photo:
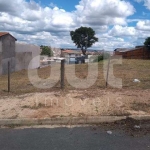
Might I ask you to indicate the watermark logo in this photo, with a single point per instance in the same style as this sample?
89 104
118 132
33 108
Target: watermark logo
70 74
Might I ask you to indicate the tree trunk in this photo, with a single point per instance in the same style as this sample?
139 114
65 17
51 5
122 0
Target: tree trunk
84 53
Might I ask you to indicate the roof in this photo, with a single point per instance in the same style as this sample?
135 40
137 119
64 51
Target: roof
140 46
88 52
5 33
123 50
71 52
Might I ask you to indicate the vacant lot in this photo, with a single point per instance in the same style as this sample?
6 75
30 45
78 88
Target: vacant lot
27 101
127 71
76 103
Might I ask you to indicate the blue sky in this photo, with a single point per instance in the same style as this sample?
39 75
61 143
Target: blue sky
68 5
141 11
117 23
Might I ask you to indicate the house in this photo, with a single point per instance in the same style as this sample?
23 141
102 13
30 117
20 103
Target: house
70 55
73 56
139 52
7 52
18 54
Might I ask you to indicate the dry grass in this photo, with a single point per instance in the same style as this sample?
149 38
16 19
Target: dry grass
129 70
141 106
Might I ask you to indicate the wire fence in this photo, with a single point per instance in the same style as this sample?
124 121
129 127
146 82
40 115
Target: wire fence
133 74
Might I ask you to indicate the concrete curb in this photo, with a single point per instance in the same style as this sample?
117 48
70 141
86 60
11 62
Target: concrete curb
140 117
62 120
68 120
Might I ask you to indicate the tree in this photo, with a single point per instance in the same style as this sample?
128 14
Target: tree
83 38
46 50
147 42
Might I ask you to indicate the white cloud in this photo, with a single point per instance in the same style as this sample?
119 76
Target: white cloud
52 5
104 12
30 22
111 43
133 20
143 25
146 3
120 31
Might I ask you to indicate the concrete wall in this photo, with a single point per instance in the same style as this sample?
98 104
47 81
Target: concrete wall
0 46
19 55
5 65
22 60
30 51
7 48
0 63
0 57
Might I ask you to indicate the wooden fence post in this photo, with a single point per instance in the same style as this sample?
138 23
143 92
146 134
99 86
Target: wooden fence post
107 71
62 74
8 76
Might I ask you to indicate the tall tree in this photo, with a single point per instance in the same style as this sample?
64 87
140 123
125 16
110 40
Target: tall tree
147 42
83 38
46 50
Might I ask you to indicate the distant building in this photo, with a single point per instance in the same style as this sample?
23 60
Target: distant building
7 52
19 55
73 56
139 52
70 55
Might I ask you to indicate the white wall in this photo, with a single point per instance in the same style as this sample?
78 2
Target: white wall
72 55
22 60
22 47
24 54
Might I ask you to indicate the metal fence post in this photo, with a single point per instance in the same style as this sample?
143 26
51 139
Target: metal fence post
62 74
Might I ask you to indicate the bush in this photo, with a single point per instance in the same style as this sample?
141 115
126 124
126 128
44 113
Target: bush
101 57
98 58
46 50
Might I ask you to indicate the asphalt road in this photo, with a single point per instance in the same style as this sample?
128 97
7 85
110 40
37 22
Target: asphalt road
79 138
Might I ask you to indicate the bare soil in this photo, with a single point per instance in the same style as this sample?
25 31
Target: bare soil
76 103
28 101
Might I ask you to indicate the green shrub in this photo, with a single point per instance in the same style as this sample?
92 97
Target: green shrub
46 50
101 57
98 58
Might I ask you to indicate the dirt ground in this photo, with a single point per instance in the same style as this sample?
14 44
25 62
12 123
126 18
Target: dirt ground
76 103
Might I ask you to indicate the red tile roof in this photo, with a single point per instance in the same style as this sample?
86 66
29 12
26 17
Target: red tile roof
71 51
5 33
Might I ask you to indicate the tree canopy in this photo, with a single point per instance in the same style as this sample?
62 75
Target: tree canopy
147 42
83 38
46 50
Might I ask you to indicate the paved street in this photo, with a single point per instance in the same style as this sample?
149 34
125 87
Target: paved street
81 138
